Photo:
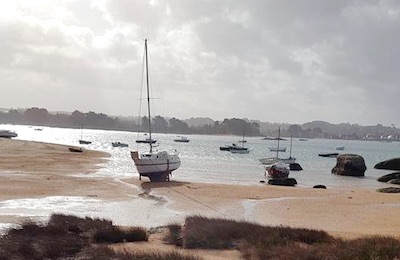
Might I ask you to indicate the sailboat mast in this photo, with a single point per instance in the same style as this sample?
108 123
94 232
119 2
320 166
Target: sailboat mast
82 130
279 137
148 93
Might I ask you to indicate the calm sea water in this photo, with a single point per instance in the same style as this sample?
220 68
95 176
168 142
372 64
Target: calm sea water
202 161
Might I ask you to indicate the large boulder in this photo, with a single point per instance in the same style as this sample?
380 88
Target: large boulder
350 165
391 164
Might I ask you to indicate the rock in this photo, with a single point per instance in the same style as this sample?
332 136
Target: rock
295 167
319 186
395 181
391 164
388 177
283 182
389 190
350 165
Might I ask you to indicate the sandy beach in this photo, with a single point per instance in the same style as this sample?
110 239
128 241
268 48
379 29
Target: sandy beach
36 170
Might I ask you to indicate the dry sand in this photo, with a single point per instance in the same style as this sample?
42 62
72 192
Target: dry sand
31 169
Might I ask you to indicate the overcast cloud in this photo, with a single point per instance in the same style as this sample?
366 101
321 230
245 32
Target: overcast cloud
271 60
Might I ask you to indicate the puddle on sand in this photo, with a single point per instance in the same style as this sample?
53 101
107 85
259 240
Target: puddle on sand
135 212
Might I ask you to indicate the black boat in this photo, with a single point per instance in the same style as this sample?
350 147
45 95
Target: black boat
328 154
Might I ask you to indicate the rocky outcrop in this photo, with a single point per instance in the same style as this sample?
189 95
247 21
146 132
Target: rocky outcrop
389 190
295 167
391 164
319 186
350 165
389 177
395 181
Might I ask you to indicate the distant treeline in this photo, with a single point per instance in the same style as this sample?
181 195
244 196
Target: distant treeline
234 126
92 120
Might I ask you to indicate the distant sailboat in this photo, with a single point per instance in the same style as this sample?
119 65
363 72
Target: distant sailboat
81 141
239 149
157 166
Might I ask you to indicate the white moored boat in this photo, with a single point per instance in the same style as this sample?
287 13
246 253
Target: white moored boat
157 166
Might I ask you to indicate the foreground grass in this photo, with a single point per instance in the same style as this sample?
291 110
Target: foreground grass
70 237
262 242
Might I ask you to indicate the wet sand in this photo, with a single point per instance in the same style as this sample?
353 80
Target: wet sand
37 170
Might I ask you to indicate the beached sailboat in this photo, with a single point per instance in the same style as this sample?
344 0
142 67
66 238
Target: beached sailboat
156 165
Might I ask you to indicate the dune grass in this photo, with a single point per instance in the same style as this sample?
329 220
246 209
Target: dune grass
264 242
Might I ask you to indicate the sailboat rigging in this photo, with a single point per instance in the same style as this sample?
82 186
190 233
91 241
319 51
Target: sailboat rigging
157 166
278 149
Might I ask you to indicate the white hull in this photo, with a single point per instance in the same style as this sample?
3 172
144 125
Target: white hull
240 151
156 166
272 160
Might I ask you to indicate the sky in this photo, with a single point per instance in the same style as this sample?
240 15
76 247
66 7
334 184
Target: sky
278 61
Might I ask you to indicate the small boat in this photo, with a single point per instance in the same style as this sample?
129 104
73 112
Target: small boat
119 144
340 148
75 149
328 154
273 138
240 150
225 148
181 139
277 149
156 165
302 139
146 141
234 148
7 134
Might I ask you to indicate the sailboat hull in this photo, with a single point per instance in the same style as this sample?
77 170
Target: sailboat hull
156 166
272 160
84 142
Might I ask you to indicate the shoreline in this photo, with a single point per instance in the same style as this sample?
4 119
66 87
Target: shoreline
33 170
